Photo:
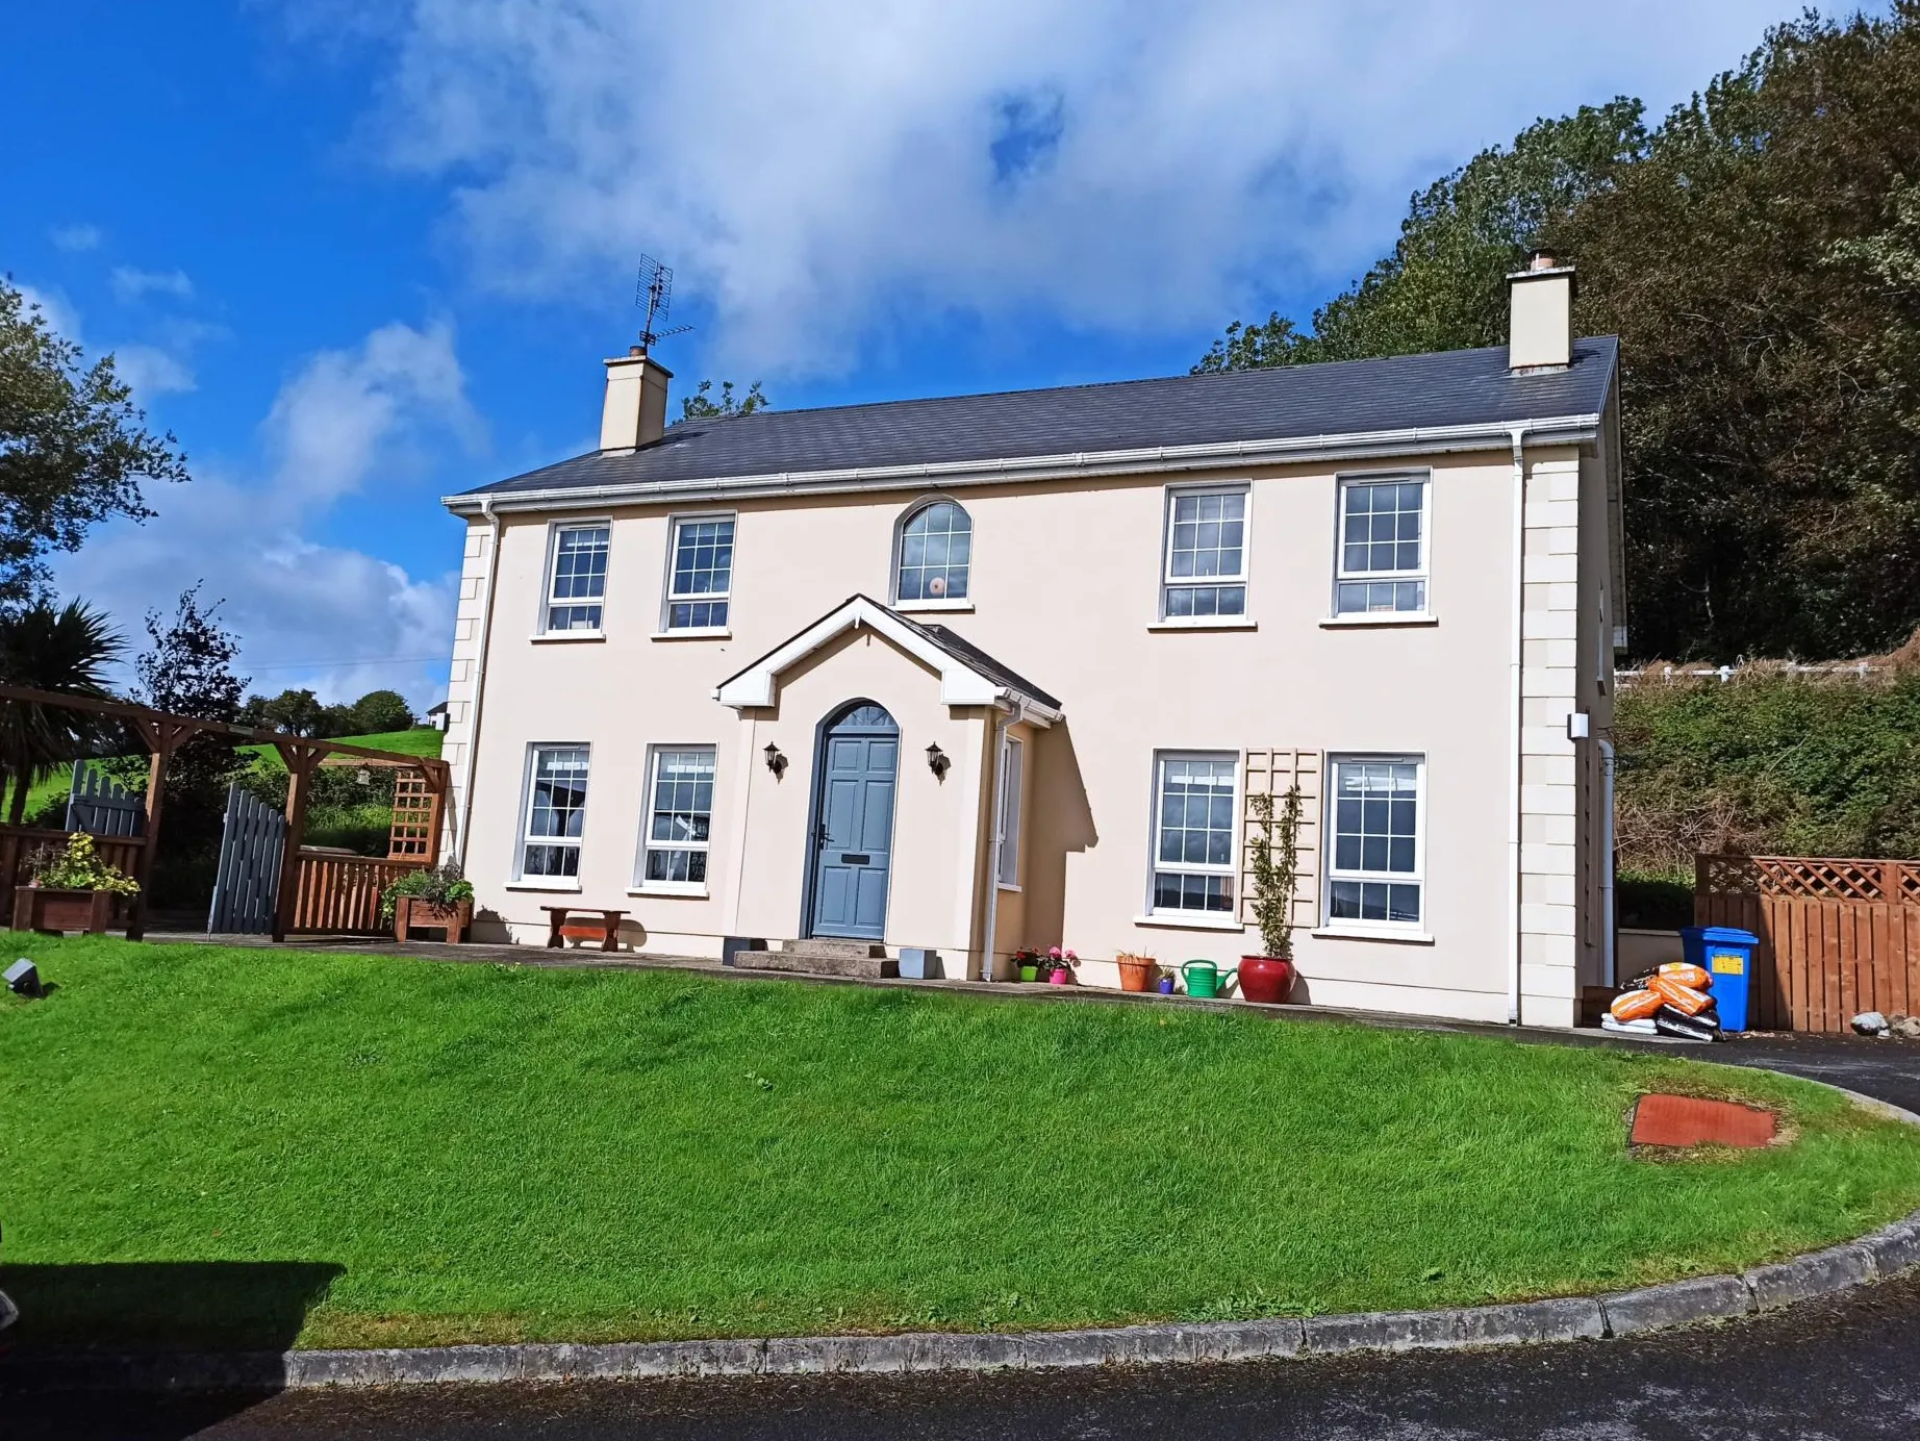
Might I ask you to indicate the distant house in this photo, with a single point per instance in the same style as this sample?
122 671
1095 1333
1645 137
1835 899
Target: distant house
437 716
1000 670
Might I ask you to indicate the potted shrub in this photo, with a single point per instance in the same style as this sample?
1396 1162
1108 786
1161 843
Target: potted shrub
439 899
1026 964
71 890
1136 972
1060 964
1269 978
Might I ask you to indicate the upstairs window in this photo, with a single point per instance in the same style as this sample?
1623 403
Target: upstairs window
1383 547
1206 570
701 579
556 809
1193 834
578 583
936 552
1374 874
679 819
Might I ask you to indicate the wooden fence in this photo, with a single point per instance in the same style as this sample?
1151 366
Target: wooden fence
1837 937
340 893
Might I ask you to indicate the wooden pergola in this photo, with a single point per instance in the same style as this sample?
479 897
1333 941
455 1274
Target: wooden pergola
164 734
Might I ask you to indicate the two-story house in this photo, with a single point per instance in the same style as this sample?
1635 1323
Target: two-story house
998 670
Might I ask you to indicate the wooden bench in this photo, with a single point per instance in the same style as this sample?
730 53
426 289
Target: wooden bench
606 930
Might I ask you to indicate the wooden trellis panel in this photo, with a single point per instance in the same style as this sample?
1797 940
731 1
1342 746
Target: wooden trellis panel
1837 936
1272 772
416 819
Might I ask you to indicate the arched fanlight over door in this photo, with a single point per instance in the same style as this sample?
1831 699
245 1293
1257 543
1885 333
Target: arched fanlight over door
936 551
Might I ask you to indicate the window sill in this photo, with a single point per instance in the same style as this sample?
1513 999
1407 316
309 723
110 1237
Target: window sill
1365 620
555 637
908 607
1406 936
1198 921
713 632
558 886
1207 622
1005 886
687 893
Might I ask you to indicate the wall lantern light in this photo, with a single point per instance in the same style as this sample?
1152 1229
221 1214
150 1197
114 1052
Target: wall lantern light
937 761
776 762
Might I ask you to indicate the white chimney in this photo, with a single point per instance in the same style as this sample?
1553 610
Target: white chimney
635 413
1541 300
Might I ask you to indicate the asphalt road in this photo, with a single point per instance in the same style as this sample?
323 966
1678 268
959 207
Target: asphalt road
1841 1371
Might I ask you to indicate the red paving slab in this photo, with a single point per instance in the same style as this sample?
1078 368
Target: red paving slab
1689 1121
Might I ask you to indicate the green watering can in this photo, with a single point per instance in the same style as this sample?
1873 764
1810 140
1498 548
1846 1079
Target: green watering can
1204 980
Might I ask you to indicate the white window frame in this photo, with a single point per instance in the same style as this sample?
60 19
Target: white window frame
643 886
1424 573
898 555
669 598
1168 581
1330 830
551 578
1231 870
1013 771
524 837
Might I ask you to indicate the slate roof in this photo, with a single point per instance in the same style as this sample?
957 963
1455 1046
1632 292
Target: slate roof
967 653
1451 388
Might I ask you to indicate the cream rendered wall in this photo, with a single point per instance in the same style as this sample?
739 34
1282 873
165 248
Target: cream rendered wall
1065 590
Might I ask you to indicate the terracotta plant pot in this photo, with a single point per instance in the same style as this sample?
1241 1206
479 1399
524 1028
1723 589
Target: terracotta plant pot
1137 975
1265 979
37 908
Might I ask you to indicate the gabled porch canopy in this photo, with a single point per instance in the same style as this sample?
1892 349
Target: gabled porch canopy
968 675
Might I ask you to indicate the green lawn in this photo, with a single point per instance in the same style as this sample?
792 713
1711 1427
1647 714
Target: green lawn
490 1152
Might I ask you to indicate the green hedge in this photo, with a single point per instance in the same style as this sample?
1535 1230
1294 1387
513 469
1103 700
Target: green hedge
1767 762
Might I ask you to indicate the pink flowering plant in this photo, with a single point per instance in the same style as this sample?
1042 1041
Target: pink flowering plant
1057 958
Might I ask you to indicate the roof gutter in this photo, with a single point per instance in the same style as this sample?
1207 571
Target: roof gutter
1357 445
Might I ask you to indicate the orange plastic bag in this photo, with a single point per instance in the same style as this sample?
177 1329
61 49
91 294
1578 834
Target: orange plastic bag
1684 999
1684 974
1635 1005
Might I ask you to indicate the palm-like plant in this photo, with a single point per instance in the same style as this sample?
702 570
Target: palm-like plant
67 649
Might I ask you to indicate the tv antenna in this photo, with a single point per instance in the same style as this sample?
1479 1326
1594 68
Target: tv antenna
653 292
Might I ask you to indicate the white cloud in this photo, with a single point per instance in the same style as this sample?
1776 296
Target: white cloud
55 309
132 284
76 237
305 609
152 371
829 175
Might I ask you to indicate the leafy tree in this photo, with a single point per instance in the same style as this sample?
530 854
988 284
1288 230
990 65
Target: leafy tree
702 406
73 450
381 710
68 649
187 669
294 711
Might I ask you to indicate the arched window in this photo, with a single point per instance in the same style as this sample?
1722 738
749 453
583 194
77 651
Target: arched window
936 550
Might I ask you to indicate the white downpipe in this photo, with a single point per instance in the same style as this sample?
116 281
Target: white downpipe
479 678
1608 919
1518 543
1000 730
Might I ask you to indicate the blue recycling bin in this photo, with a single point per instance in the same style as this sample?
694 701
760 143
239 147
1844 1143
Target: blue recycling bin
1726 954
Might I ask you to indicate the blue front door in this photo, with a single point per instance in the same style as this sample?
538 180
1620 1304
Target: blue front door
860 756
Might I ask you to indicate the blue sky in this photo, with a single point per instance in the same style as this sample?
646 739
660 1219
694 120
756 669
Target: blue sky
357 256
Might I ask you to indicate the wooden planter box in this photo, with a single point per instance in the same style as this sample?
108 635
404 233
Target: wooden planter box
412 913
37 909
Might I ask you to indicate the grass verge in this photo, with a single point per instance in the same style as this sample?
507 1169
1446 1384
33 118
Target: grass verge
246 1147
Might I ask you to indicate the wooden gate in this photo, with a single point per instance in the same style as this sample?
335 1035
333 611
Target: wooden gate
250 848
1837 937
101 806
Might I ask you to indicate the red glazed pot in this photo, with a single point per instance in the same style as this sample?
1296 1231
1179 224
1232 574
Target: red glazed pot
1265 979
